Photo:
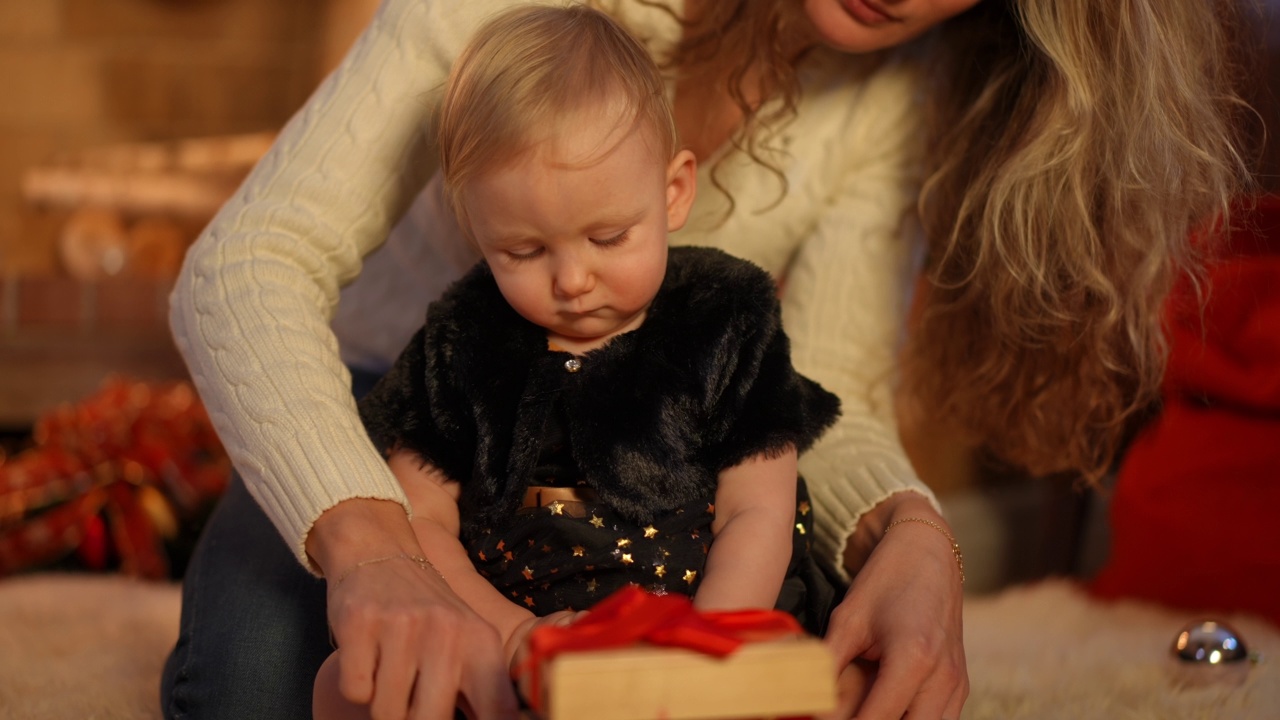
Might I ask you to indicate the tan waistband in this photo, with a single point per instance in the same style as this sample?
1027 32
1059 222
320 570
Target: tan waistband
536 496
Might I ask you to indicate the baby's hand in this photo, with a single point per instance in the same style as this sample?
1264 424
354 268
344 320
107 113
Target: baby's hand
518 643
562 618
520 636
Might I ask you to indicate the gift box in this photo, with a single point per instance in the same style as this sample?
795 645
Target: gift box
639 656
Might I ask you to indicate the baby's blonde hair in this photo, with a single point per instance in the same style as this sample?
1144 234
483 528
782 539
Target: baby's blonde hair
527 71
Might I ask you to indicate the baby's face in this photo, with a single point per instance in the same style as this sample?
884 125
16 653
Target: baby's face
575 231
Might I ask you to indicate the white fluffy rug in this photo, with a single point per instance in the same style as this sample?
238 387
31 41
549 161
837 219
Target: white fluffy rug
1048 651
91 647
88 647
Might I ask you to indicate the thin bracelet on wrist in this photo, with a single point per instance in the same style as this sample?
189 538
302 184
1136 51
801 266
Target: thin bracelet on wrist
955 546
418 560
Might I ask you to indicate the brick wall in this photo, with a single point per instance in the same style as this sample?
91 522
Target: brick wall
76 74
80 74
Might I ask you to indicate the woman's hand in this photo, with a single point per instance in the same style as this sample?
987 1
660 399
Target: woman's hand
411 648
903 612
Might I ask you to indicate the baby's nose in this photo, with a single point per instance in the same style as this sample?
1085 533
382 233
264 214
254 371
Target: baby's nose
573 278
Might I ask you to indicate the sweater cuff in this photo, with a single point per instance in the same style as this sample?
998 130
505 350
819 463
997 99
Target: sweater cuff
841 503
294 493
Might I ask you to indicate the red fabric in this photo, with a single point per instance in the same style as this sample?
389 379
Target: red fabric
632 615
1194 513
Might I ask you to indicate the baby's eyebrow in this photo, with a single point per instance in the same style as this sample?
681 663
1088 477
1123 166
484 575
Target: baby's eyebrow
619 221
513 240
501 238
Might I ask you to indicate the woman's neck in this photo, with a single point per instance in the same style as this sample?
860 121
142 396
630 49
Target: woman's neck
707 117
706 113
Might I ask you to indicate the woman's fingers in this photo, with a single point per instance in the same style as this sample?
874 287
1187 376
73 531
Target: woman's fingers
917 689
904 611
438 683
901 686
851 688
847 634
486 689
412 649
359 659
396 672
958 697
898 682
920 673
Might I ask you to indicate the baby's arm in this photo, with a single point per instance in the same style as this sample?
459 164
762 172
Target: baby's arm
434 499
755 511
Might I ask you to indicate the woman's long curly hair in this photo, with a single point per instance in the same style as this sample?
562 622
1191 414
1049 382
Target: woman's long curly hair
749 45
1072 150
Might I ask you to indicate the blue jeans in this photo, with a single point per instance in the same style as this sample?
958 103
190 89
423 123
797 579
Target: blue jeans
254 631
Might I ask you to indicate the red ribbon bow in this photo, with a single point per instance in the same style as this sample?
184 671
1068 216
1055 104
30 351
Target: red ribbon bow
632 615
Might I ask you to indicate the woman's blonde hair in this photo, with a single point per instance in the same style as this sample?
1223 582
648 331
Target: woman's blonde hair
1072 149
532 68
1068 170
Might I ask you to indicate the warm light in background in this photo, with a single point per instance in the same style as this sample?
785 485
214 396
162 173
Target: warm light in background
104 86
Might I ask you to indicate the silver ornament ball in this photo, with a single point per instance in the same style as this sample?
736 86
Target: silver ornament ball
1211 642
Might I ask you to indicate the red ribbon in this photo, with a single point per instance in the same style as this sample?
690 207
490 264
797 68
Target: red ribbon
632 615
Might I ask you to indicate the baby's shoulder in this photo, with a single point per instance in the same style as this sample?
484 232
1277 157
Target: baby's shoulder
712 276
711 300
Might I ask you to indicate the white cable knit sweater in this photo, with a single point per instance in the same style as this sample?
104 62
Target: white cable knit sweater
251 312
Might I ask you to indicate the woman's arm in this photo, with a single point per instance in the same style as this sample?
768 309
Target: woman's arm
251 309
755 512
250 314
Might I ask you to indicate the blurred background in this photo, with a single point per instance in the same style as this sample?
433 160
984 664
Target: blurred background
124 124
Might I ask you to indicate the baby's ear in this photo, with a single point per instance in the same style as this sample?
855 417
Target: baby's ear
682 187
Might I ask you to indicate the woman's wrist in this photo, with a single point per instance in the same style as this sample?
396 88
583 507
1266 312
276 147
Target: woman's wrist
357 530
873 524
936 526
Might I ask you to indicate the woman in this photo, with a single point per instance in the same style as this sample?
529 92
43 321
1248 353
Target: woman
1062 154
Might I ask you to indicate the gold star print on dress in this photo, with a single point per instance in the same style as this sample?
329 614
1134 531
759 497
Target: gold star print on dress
559 554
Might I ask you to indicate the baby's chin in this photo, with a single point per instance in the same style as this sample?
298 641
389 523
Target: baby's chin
594 330
580 340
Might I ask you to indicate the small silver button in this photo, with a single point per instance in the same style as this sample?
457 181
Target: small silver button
572 365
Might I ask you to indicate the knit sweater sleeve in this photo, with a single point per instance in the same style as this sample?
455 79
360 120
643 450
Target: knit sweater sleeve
251 309
844 307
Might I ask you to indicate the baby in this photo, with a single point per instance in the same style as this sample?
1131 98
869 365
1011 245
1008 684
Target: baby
588 409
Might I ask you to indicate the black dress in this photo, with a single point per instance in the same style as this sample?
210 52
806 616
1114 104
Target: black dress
636 432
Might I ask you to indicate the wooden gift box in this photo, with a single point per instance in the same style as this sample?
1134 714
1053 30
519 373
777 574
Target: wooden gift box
782 678
643 657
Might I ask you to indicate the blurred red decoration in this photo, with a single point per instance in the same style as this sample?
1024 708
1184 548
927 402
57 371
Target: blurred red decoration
1193 512
112 476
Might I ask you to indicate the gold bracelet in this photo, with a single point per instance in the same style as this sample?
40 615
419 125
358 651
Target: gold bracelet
418 560
955 546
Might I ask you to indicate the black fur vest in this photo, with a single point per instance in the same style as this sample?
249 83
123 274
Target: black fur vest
653 416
